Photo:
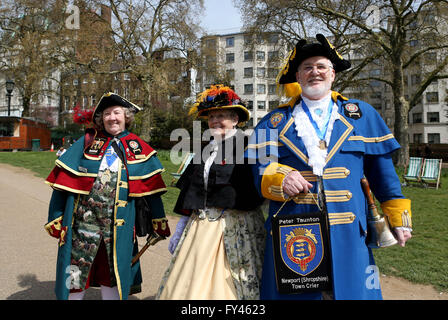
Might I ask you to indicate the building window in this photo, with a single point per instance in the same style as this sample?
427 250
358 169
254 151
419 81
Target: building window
375 72
248 88
260 38
230 42
261 72
273 38
273 104
248 56
261 88
432 97
261 105
250 104
430 57
272 73
433 137
418 138
415 79
210 60
375 95
6 129
230 57
272 55
230 73
272 88
417 117
260 56
210 43
248 72
432 117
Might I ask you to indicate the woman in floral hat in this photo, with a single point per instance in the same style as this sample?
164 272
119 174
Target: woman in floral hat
218 244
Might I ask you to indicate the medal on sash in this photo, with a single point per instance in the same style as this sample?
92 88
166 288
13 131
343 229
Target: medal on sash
320 134
302 257
322 144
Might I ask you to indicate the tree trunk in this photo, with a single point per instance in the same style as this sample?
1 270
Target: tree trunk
26 106
401 107
147 116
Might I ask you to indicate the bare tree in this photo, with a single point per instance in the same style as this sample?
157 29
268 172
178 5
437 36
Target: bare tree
402 35
142 36
29 30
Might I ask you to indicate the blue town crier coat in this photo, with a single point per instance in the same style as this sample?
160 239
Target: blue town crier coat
360 145
74 175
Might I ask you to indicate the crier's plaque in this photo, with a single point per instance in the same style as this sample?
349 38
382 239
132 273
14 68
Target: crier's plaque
301 253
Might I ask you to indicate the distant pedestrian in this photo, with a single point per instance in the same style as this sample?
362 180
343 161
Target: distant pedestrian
60 152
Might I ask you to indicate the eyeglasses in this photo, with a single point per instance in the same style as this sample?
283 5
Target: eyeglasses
321 68
220 116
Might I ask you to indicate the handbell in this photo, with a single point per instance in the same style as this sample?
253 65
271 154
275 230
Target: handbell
378 231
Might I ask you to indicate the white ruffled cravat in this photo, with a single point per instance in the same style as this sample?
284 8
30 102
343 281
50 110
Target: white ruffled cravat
307 133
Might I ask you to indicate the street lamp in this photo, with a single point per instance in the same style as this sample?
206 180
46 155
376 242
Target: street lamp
9 89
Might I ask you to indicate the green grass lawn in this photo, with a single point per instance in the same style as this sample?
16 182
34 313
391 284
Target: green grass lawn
423 260
41 164
425 257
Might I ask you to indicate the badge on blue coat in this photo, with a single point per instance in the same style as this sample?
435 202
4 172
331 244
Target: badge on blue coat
301 247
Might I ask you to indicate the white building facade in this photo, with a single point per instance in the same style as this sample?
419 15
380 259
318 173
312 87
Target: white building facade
248 63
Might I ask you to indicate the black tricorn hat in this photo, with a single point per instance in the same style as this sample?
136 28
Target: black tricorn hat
112 99
304 50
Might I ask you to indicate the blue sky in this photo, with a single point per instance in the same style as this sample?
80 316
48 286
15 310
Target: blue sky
221 17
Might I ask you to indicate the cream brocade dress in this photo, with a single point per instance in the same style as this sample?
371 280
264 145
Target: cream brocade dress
219 256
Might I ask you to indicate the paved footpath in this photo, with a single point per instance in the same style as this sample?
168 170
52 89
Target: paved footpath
28 253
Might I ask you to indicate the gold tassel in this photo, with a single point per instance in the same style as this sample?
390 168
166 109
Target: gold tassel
193 109
292 89
289 89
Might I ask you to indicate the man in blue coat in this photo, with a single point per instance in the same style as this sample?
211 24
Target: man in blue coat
316 149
